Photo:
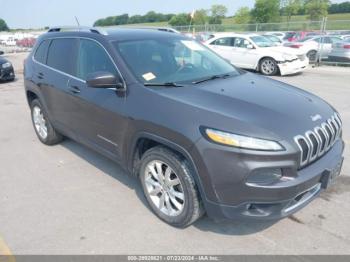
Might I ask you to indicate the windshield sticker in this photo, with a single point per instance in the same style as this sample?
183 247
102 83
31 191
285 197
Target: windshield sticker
148 76
192 45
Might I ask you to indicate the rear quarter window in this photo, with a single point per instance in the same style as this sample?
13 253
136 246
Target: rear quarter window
62 55
41 52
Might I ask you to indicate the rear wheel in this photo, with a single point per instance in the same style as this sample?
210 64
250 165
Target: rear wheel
268 66
312 55
42 126
169 187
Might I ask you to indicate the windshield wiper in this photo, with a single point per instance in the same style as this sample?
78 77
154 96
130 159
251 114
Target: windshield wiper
211 78
170 84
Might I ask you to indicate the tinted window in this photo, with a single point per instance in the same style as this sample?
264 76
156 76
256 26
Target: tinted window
62 55
93 58
225 41
41 52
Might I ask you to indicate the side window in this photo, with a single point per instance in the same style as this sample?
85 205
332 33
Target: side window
335 40
327 40
62 53
93 58
225 41
41 52
241 42
318 40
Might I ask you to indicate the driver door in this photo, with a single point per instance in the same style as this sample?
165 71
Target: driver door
243 55
97 118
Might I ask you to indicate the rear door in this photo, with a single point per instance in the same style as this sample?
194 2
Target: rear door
224 47
60 66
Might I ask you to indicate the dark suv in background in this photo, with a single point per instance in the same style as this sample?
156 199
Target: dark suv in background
201 135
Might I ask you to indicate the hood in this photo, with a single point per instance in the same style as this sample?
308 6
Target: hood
251 104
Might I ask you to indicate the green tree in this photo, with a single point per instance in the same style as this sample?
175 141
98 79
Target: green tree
316 9
339 8
3 25
217 12
180 19
266 11
200 17
290 7
242 15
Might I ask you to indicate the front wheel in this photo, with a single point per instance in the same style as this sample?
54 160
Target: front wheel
169 187
268 66
312 55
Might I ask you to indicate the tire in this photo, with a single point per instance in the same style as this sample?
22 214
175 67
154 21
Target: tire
42 126
312 55
268 66
174 211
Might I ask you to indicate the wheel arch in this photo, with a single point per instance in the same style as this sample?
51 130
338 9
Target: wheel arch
31 96
144 141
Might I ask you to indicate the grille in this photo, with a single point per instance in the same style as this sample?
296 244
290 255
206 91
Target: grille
314 143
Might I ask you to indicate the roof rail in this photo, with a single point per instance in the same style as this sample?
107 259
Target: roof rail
75 28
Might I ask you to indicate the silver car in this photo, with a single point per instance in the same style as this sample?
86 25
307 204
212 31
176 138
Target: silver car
340 51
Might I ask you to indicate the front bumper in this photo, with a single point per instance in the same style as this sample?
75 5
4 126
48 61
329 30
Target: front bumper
234 198
289 68
7 74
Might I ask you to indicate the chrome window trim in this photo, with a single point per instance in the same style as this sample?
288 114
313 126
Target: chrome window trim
69 75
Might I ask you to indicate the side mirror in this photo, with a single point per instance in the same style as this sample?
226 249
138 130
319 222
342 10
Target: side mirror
103 80
250 46
1 52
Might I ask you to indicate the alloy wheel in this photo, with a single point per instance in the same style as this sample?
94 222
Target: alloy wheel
39 122
164 188
268 66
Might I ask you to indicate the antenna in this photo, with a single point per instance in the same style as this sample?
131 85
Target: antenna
76 19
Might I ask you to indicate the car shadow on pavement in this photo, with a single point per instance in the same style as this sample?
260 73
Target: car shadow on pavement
114 170
105 165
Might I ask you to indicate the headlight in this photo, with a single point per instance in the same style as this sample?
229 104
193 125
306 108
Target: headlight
6 65
240 141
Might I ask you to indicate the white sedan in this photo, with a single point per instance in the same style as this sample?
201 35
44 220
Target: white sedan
251 51
315 45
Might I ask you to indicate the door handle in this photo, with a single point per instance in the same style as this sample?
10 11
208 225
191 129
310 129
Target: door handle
74 89
40 75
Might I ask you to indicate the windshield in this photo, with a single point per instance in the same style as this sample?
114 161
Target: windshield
171 60
262 41
272 38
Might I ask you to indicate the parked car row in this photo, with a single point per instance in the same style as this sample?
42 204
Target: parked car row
256 52
277 52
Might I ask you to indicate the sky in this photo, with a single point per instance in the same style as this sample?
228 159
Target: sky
41 13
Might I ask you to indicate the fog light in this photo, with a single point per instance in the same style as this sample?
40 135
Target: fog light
264 177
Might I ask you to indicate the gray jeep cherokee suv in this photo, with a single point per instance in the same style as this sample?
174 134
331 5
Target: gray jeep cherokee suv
201 135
